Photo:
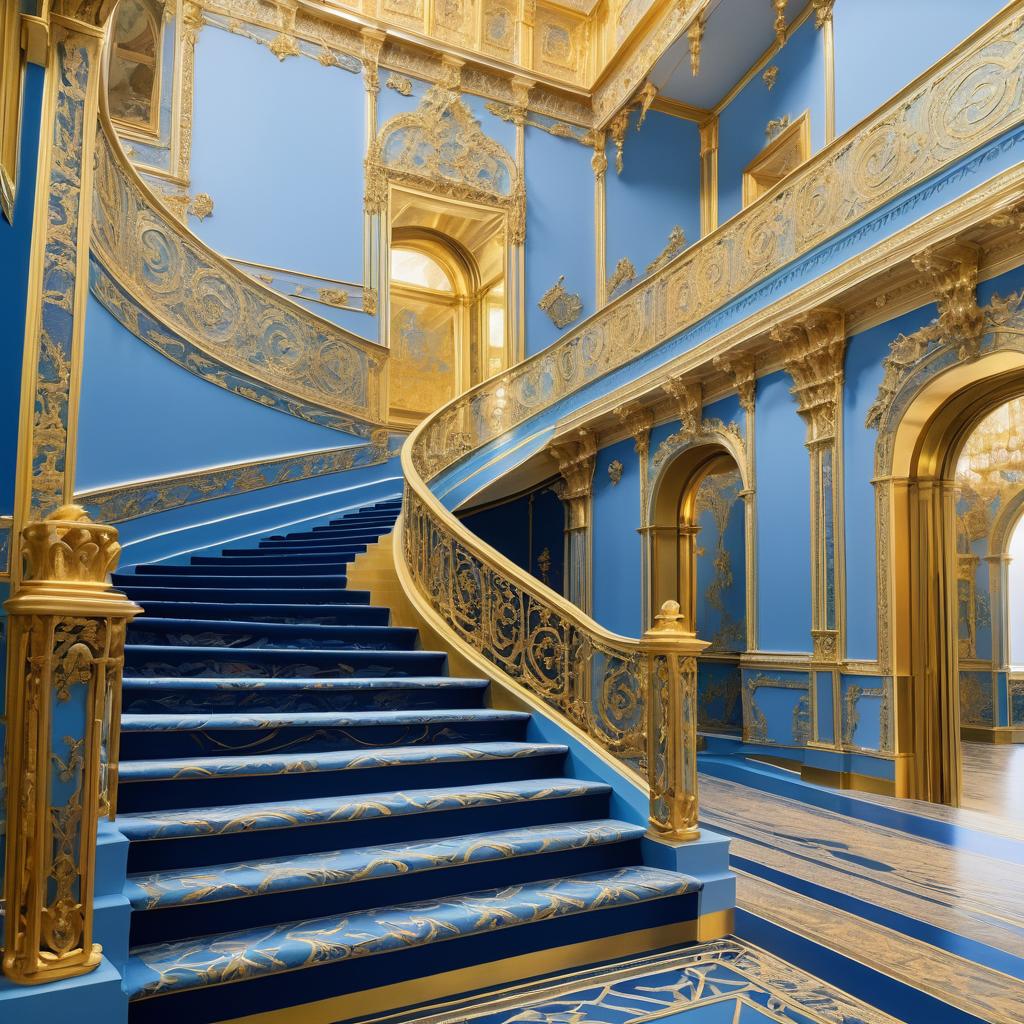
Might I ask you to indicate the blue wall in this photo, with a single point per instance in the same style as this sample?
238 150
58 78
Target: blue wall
617 584
143 416
800 86
783 520
659 188
279 147
881 46
559 228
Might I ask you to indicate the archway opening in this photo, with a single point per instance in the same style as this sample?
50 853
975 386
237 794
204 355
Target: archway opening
934 574
698 556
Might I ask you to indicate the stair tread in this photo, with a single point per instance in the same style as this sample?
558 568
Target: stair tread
298 683
235 765
219 882
235 818
174 966
310 629
190 722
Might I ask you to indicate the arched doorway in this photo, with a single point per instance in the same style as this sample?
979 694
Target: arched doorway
697 537
922 585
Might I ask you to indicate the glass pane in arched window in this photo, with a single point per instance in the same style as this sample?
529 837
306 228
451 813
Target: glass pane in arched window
135 63
410 266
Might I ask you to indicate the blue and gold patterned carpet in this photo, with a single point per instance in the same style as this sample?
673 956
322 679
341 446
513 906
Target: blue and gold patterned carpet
316 809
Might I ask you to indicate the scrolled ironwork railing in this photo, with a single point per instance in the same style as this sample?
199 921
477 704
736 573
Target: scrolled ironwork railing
633 698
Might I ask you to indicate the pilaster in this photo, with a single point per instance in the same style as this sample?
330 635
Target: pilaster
638 420
576 461
814 347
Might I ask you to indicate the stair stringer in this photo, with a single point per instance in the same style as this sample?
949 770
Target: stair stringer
381 570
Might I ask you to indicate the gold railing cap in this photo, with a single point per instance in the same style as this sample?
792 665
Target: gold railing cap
67 546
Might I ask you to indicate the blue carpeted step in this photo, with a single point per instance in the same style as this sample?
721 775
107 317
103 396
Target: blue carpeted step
306 547
161 784
158 660
317 542
269 635
176 577
360 950
195 836
184 735
184 694
261 559
314 615
383 524
313 597
232 567
170 905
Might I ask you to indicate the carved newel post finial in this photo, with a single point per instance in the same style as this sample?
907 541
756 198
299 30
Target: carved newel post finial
67 627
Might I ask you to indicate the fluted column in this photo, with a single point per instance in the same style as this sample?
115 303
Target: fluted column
576 460
814 347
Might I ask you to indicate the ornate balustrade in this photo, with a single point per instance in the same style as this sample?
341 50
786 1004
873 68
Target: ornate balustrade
198 309
633 698
66 642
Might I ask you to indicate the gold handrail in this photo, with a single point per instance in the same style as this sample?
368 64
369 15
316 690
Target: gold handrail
633 698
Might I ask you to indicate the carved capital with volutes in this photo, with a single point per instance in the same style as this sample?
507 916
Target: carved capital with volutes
689 399
638 420
953 272
576 458
742 369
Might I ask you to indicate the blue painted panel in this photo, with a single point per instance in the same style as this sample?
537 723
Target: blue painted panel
865 728
880 47
658 189
167 420
800 86
728 411
721 562
863 375
15 240
559 228
617 589
391 102
825 707
783 520
1002 701
290 197
719 696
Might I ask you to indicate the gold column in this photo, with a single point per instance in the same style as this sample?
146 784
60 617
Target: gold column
814 346
576 460
373 249
638 420
671 650
516 270
599 162
823 21
66 652
709 176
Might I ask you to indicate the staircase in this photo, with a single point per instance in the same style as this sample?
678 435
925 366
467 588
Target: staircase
319 814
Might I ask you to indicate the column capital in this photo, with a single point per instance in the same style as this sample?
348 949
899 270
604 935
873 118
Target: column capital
743 371
689 398
953 273
576 457
638 420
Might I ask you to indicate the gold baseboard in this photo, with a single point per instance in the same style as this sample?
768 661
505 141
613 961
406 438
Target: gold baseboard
389 998
992 734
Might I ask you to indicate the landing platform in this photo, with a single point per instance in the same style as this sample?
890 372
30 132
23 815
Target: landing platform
724 982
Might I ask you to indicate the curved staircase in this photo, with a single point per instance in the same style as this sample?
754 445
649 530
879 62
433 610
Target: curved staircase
319 815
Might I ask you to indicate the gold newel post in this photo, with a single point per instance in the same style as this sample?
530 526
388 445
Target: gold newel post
671 650
65 657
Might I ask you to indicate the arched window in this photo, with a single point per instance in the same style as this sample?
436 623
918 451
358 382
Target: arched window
134 79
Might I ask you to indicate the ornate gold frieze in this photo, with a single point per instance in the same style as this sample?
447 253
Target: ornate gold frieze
675 245
66 645
129 501
561 306
224 313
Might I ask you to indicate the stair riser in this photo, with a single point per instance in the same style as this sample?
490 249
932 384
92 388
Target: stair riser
343 553
201 919
311 546
358 974
155 855
282 664
378 526
216 792
304 739
265 583
341 615
218 635
237 567
232 597
171 700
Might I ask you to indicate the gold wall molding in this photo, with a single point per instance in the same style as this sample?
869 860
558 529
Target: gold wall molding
66 651
928 126
148 497
235 321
